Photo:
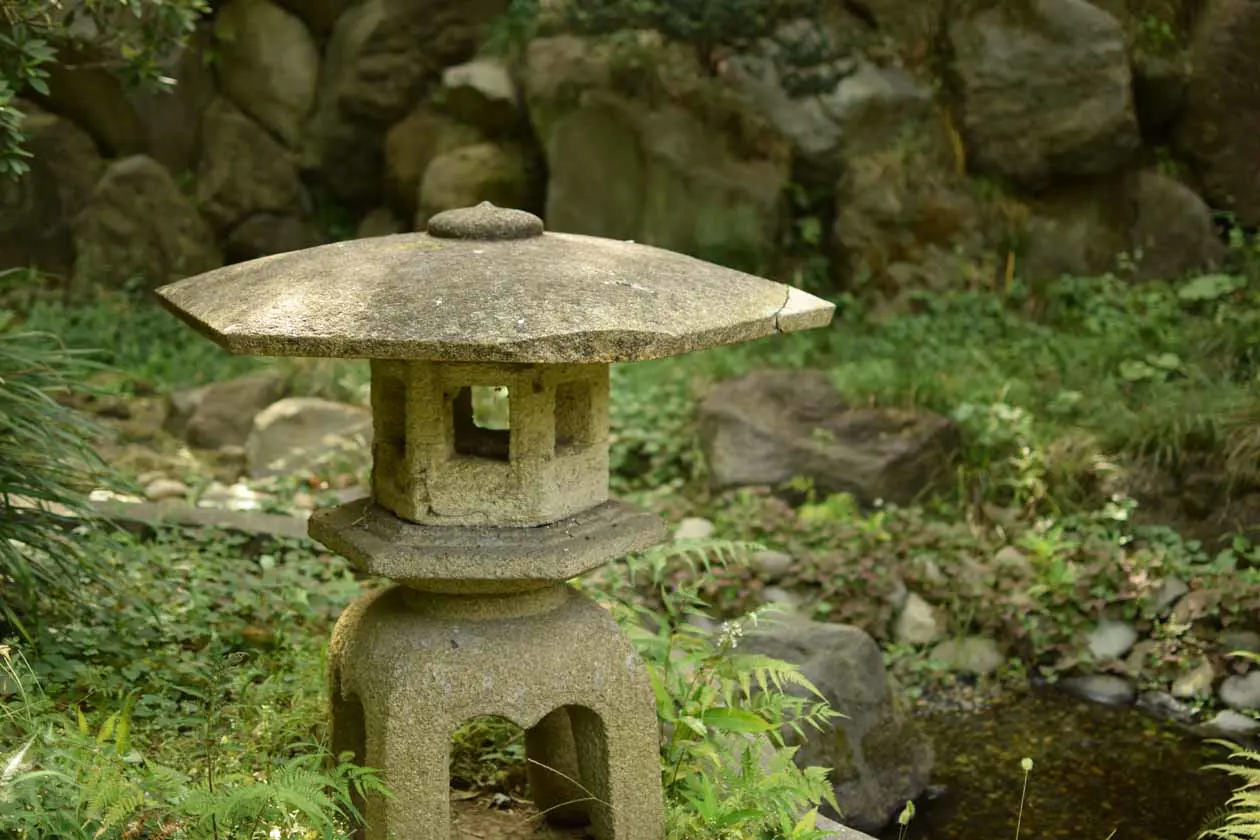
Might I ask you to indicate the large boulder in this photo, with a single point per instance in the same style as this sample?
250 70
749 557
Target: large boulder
304 434
1045 89
95 99
1219 131
138 225
499 173
244 170
681 162
773 425
483 94
37 211
268 65
264 234
318 15
1172 234
412 144
381 58
170 118
221 413
878 757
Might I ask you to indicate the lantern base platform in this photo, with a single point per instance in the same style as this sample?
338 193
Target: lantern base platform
408 668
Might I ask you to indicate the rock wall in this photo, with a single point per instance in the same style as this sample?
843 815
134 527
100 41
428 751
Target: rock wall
965 141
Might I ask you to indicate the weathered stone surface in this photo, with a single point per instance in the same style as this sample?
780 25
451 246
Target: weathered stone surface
1159 91
380 59
918 622
298 434
379 222
411 145
548 298
683 165
771 565
37 211
1173 234
554 663
1107 689
769 426
137 224
1228 723
970 655
481 94
244 171
462 177
482 559
1046 90
264 234
318 15
96 100
1219 130
694 528
879 756
221 413
268 64
1241 692
1195 683
1111 639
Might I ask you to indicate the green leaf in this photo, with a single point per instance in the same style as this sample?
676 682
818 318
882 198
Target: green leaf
1210 287
726 719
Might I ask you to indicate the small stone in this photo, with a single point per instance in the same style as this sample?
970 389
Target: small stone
165 488
1170 590
785 598
1139 657
771 565
1164 706
1111 639
918 623
1197 682
972 654
694 528
485 222
1233 640
1241 692
1229 724
1107 689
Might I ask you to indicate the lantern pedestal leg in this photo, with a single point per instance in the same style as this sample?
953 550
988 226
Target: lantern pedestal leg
409 667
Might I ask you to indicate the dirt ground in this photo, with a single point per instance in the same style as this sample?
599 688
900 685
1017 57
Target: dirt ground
477 820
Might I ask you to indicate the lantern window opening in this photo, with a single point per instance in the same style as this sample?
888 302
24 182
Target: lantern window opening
471 439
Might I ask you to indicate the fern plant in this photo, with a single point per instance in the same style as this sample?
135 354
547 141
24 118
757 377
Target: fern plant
727 717
1240 819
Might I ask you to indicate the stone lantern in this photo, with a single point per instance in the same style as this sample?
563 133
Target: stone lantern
480 528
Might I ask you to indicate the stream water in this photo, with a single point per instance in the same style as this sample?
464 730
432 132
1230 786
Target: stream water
1096 769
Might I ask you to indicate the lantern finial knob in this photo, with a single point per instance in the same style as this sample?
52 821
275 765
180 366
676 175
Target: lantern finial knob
485 222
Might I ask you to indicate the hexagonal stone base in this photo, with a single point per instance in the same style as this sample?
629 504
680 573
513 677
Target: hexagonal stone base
477 559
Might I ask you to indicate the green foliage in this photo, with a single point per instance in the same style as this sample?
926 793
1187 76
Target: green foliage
729 718
1241 819
127 37
47 462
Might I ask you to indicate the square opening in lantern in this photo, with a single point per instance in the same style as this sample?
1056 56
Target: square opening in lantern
482 427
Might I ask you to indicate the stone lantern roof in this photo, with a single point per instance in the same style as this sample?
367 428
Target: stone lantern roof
486 284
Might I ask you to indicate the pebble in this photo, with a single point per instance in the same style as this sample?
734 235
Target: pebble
165 488
918 623
972 655
1164 706
1171 589
1107 689
694 528
1241 692
1232 640
771 565
1111 639
1197 682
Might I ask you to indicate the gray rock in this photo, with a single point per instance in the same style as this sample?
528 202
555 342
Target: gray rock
784 598
918 622
1229 724
264 234
1170 589
298 434
170 118
137 224
1164 706
379 222
1241 691
879 757
769 426
411 144
1232 640
1174 234
771 565
162 489
1197 682
244 170
1047 90
836 831
221 414
970 655
268 65
481 93
1111 639
694 528
502 174
1107 689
